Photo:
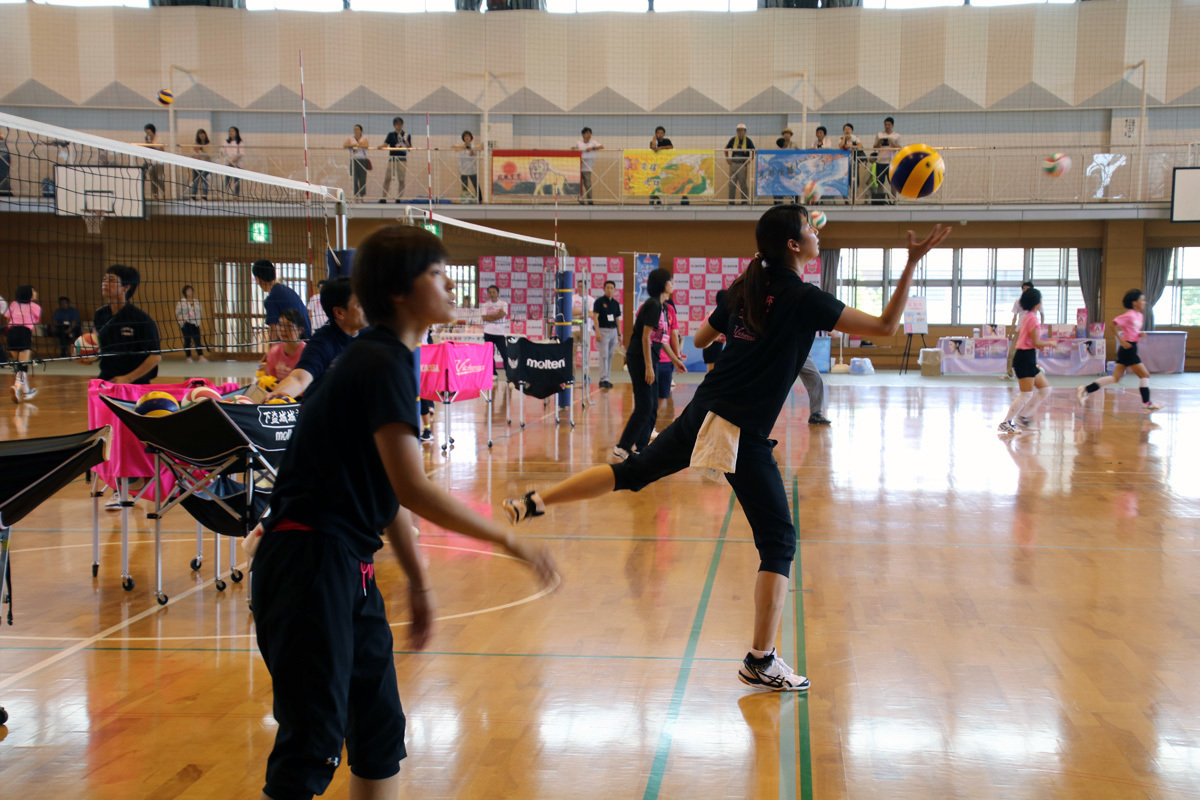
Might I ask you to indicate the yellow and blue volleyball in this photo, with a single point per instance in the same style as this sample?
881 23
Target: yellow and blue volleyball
156 404
283 400
916 171
267 382
166 97
1057 165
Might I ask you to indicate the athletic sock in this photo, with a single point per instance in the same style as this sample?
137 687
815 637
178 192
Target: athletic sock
760 654
1096 386
1039 397
1017 405
1144 388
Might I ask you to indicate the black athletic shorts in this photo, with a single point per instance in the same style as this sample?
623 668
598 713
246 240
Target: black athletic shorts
19 338
324 635
1025 364
426 407
756 482
1126 356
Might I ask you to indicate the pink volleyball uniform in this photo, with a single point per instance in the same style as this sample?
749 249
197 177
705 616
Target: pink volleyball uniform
1130 326
24 314
672 326
1028 325
279 363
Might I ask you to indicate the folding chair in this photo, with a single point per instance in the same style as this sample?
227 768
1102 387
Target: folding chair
221 461
31 471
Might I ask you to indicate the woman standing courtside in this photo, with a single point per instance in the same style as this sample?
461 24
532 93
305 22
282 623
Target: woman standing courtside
188 314
651 331
770 319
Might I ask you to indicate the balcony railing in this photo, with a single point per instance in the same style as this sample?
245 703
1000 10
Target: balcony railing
973 176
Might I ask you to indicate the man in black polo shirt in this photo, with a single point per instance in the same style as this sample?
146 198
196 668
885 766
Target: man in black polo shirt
128 336
397 144
345 321
606 316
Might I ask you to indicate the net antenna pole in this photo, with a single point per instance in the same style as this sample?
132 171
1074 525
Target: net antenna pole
304 130
1141 145
429 165
172 139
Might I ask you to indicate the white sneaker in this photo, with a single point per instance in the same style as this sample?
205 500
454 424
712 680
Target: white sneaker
113 504
1152 407
1005 377
1026 423
32 393
1082 394
203 360
1006 428
17 393
523 508
189 360
620 453
771 673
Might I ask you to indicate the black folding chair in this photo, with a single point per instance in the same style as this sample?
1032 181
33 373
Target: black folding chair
223 459
32 471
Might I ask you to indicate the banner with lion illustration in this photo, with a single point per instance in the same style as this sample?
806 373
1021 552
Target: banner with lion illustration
669 172
531 173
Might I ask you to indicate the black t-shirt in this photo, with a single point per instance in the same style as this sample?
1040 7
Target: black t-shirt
650 315
322 350
664 142
331 477
394 139
605 308
755 373
127 338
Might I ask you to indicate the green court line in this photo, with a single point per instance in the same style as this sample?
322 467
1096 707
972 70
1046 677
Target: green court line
805 757
658 769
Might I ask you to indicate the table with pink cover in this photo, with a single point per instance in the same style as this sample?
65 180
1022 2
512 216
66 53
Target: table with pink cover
1163 352
1053 364
128 458
454 371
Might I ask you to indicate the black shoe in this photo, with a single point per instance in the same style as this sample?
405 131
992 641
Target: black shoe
397 201
383 200
427 435
818 419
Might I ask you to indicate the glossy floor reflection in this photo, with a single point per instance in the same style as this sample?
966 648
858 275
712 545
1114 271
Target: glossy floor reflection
980 619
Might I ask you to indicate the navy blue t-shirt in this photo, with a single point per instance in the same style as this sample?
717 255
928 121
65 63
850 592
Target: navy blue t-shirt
322 351
281 297
751 381
331 477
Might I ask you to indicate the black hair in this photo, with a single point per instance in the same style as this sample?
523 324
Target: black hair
129 277
821 128
336 293
264 270
388 262
397 120
320 285
64 297
1027 285
183 292
748 293
889 119
1131 297
848 125
585 130
660 128
201 132
149 126
656 282
494 286
293 316
610 283
780 142
237 134
360 127
465 134
24 293
1030 298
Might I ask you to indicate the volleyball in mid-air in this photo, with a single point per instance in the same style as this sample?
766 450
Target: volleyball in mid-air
166 96
1057 165
87 348
811 193
817 218
916 171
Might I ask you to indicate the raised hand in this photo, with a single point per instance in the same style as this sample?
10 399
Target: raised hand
917 250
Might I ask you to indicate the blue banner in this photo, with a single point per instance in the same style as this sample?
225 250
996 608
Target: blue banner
783 173
643 265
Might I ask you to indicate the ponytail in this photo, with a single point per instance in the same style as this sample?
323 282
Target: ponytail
748 294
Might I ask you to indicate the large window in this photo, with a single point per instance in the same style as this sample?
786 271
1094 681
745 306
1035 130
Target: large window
1180 301
968 286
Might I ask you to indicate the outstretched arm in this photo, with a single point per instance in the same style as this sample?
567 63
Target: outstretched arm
861 323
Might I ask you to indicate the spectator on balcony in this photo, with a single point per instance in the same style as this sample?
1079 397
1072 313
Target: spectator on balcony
587 162
200 152
232 151
821 143
660 142
784 142
357 144
739 151
887 142
154 169
5 165
850 143
397 144
468 168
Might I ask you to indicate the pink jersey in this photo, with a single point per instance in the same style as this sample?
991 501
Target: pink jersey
26 314
279 363
672 326
1130 326
1028 325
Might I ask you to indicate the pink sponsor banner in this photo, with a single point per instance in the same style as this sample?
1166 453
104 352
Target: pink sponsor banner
487 264
520 264
679 266
598 280
503 280
518 296
680 297
535 312
711 300
729 279
616 264
456 367
518 327
714 266
698 314
535 280
696 281
812 272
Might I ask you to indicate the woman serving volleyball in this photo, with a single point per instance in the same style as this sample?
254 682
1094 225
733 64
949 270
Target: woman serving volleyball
769 318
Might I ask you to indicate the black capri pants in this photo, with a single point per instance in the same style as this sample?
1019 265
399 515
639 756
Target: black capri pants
757 483
324 635
501 343
644 416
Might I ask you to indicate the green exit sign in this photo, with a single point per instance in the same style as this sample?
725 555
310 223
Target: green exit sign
260 231
433 227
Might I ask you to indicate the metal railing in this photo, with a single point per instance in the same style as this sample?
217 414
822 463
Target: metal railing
973 176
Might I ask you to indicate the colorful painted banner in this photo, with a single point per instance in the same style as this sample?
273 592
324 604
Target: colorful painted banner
783 173
529 173
669 172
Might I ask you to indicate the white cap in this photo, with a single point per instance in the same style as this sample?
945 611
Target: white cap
741 125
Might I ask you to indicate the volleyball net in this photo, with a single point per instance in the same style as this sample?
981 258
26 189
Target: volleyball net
192 226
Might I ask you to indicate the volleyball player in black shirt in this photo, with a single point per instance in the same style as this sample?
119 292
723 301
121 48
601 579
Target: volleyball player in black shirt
128 336
769 319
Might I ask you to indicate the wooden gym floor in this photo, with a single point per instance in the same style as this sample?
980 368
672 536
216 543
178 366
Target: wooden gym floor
980 619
